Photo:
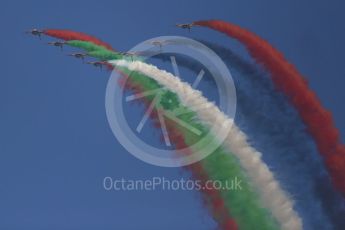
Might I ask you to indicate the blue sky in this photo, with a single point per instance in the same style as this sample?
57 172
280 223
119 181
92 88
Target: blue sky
55 143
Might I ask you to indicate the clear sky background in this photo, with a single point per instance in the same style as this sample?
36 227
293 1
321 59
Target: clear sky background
55 143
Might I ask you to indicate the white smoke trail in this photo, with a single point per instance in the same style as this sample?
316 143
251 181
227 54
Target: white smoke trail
272 196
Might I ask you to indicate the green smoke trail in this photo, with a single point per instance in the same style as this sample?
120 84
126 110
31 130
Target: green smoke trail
87 46
105 55
100 52
244 204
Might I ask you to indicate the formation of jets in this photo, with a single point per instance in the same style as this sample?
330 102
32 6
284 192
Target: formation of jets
100 64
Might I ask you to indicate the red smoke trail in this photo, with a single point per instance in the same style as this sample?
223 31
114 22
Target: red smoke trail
68 35
318 120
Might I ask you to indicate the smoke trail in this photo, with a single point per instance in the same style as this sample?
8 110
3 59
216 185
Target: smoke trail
105 55
86 45
271 194
220 166
267 119
318 120
68 35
